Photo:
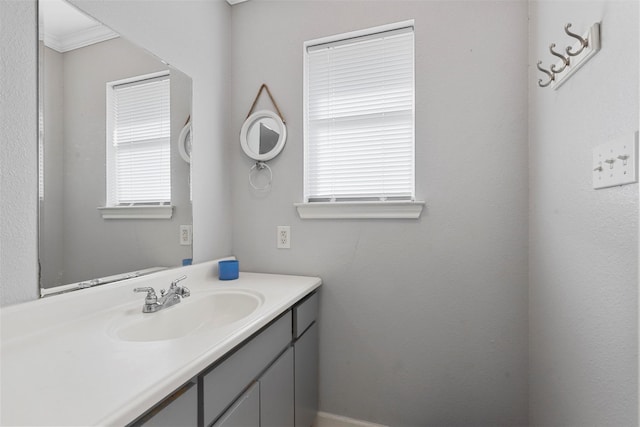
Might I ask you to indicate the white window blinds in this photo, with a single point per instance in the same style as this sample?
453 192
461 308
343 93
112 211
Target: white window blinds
40 154
138 160
359 121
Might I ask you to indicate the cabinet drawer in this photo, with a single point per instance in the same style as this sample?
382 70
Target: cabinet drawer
304 314
224 384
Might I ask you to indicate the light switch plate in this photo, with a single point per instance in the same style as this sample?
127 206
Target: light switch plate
616 162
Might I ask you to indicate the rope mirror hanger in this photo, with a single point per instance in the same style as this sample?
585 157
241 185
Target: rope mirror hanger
262 138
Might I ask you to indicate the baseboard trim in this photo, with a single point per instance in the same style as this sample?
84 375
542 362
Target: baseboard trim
325 419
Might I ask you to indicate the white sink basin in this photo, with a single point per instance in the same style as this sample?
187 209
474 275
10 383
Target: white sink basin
196 313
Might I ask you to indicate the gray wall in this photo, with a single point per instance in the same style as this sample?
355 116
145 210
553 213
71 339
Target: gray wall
19 155
51 214
584 242
421 322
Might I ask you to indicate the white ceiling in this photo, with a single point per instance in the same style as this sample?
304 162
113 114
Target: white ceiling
65 28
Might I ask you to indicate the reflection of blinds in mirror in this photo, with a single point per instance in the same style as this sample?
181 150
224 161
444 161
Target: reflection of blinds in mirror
141 169
360 118
40 153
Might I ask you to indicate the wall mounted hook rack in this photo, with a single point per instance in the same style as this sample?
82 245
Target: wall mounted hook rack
573 58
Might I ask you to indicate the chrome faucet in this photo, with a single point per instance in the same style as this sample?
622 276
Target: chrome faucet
171 296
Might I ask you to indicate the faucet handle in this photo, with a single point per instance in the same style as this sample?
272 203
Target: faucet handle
183 291
175 282
151 297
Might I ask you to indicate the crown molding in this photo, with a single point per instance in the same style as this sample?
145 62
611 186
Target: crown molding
79 39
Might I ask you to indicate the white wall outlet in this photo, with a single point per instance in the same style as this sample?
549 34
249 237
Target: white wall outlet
616 162
283 237
186 233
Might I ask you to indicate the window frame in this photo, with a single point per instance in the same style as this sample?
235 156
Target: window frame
373 209
137 210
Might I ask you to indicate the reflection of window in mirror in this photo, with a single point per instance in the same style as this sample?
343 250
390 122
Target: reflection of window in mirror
40 155
139 141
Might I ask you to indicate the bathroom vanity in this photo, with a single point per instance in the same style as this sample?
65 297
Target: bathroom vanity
234 353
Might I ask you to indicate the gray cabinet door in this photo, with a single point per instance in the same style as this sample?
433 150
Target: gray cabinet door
306 377
226 381
180 410
276 393
245 412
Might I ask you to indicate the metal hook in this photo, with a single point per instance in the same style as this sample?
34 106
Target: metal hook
551 75
583 42
565 60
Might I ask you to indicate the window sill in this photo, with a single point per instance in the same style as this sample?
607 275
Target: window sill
360 210
136 212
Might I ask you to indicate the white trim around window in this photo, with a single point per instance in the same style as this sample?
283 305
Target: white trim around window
138 147
136 212
359 131
360 210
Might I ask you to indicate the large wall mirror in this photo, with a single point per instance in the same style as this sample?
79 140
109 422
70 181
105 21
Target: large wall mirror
111 116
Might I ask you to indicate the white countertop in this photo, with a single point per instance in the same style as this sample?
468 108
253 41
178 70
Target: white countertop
61 365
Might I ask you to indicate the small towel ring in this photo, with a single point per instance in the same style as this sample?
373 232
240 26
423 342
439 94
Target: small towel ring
257 167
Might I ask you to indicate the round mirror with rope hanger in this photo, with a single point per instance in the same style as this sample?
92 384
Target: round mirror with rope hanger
184 141
262 137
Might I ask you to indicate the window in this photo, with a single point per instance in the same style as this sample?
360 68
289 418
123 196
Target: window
40 154
359 117
138 142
